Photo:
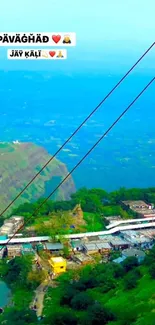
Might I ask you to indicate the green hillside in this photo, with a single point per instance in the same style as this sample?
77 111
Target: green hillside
109 294
19 163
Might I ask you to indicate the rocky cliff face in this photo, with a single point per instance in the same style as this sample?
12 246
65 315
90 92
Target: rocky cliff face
19 163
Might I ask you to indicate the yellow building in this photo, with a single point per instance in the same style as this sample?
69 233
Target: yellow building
58 264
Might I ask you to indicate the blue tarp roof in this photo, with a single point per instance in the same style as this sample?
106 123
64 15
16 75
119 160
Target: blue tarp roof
119 260
27 246
3 237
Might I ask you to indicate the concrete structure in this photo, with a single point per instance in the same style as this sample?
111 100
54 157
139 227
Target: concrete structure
58 264
140 207
150 233
77 215
137 239
129 221
97 247
27 249
53 247
113 219
2 251
77 245
90 248
104 233
111 231
82 259
118 243
25 240
11 225
134 252
14 250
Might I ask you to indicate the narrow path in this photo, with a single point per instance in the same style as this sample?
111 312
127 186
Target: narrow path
39 297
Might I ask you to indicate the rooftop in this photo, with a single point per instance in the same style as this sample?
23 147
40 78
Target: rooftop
97 245
93 238
140 207
119 260
9 247
27 246
148 233
17 217
53 246
119 242
135 203
106 238
57 259
3 237
83 257
116 240
133 252
90 246
76 243
103 245
135 236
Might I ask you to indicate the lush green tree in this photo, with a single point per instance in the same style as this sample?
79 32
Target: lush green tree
102 195
63 205
81 301
152 270
89 199
87 282
68 295
117 270
150 257
17 270
131 279
147 318
37 277
61 317
107 284
12 316
2 219
99 315
130 263
66 252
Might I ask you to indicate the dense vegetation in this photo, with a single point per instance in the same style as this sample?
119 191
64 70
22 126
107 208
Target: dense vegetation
98 294
22 279
105 294
96 204
91 200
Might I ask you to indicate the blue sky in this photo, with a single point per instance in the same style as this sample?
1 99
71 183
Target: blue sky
106 30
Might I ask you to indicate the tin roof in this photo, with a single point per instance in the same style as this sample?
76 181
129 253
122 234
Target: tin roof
53 246
76 243
27 246
133 252
118 242
119 259
3 237
96 246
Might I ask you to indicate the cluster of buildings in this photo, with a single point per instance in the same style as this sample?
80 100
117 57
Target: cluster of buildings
11 225
11 251
127 243
83 251
140 207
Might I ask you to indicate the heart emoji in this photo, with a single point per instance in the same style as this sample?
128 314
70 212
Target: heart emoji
52 53
56 38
